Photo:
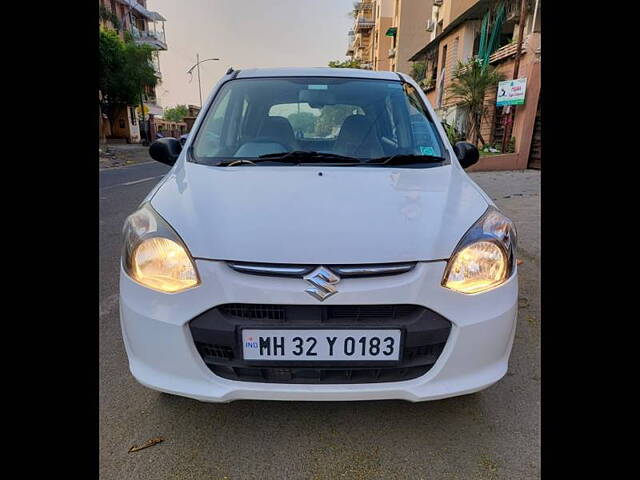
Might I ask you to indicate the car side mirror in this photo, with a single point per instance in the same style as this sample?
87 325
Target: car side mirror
165 150
467 153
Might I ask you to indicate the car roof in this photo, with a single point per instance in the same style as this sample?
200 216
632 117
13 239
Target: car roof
317 72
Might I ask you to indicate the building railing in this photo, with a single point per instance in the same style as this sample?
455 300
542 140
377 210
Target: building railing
363 23
505 52
148 36
360 6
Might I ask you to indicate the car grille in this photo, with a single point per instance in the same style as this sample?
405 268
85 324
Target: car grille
216 334
286 313
344 271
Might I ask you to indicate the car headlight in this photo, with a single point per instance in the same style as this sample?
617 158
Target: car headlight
485 257
154 255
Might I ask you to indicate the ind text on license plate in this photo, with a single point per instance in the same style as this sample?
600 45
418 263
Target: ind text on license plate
321 345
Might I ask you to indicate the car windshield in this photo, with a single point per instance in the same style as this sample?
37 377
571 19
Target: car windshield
327 118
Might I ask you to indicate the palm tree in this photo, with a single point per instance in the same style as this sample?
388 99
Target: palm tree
469 86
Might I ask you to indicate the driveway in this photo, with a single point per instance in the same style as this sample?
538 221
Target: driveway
494 434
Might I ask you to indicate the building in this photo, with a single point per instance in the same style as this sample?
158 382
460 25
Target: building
387 32
367 40
382 42
192 114
455 27
146 27
361 35
408 31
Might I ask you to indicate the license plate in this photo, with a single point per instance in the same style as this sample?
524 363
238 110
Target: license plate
321 345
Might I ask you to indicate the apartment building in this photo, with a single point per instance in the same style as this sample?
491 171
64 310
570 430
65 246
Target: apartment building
408 31
387 32
361 35
455 29
146 27
382 42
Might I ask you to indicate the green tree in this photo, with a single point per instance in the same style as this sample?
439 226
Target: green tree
331 117
345 64
469 86
418 70
353 13
125 70
175 114
109 16
303 121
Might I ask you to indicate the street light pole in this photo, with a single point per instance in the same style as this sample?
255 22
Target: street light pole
199 86
197 65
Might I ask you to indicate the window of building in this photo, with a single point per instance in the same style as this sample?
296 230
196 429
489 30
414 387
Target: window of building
476 44
431 63
444 58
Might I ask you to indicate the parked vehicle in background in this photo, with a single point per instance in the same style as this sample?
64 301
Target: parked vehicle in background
354 261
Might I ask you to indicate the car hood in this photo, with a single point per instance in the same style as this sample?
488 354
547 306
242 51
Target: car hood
319 215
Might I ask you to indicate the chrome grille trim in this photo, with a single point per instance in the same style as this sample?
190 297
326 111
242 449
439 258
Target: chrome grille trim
372 270
344 271
271 269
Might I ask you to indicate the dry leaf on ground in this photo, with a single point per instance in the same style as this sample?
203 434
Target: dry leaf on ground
148 443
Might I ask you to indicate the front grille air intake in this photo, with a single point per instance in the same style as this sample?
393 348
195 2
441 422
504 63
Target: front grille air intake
216 334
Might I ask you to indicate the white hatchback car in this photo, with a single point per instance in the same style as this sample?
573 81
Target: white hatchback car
317 239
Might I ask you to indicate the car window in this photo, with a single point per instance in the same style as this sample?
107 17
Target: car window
309 122
360 118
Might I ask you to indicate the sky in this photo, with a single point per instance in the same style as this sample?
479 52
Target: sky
245 34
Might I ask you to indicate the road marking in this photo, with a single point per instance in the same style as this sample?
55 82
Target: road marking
132 182
138 181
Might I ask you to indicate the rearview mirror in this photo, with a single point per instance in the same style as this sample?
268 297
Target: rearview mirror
316 98
165 150
467 153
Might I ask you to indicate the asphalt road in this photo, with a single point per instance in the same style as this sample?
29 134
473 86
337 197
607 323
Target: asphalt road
494 434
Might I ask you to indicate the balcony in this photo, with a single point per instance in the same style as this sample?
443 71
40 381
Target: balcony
392 52
506 52
148 37
364 24
363 6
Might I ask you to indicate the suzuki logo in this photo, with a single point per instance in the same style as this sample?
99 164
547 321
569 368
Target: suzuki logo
322 282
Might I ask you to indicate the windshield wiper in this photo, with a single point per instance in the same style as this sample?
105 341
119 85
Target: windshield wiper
300 156
405 159
294 157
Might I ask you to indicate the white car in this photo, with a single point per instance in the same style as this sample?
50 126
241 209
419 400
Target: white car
317 239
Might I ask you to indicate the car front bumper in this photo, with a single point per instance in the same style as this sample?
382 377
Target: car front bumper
163 356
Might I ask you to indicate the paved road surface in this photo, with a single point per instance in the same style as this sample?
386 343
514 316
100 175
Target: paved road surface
494 434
